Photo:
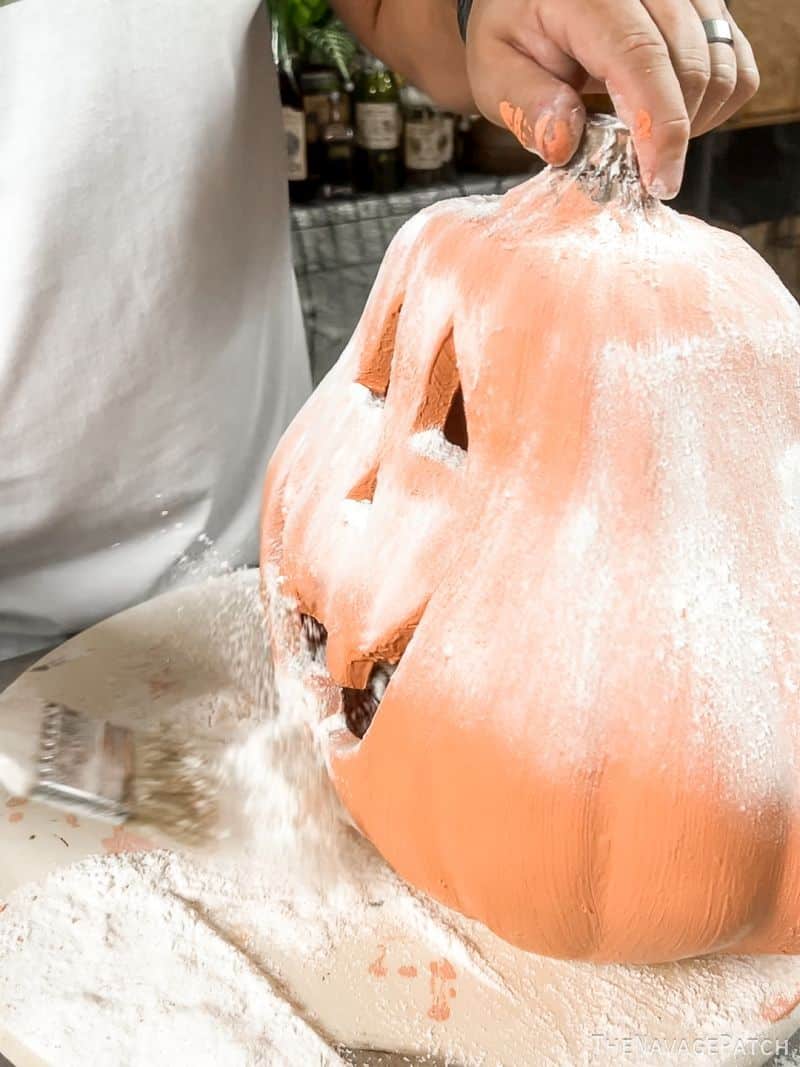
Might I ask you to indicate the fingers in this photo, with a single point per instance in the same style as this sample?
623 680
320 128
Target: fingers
545 114
716 79
618 42
683 33
721 64
527 59
745 84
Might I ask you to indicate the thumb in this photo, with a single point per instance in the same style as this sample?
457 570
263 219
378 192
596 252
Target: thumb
546 115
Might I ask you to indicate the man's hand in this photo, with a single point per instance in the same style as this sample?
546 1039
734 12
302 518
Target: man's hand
526 62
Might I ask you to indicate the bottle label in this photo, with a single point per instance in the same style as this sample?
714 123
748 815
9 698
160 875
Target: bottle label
378 125
294 125
448 138
319 105
424 144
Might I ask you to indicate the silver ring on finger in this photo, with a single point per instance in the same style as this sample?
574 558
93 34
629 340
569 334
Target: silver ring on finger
718 31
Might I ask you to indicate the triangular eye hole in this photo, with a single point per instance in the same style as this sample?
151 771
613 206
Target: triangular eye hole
443 406
376 369
455 425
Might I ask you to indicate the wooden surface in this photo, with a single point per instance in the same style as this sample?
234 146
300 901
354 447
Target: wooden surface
779 243
773 27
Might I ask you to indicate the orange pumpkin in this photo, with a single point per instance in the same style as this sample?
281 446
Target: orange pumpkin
535 541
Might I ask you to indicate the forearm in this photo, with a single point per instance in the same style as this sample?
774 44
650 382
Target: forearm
417 38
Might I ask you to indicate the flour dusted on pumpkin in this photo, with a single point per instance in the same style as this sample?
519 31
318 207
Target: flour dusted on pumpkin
614 568
434 445
732 623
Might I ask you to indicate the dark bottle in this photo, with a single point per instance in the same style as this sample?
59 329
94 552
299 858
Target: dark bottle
303 182
378 166
448 144
338 141
422 138
317 84
462 146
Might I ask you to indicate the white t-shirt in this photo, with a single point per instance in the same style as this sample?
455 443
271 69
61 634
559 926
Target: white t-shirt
151 344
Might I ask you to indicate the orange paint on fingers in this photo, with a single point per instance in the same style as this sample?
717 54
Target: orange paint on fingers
552 138
515 120
644 125
555 142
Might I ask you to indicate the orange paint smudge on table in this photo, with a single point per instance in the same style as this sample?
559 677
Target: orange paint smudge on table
16 802
407 971
122 840
160 684
3 908
72 820
442 973
378 967
644 125
16 816
779 1008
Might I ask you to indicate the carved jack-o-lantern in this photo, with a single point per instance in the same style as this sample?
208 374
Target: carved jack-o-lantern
541 528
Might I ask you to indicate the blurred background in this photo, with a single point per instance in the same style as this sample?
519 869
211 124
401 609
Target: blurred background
366 151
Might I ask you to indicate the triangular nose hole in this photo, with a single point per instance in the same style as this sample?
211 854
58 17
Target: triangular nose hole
376 367
443 406
365 489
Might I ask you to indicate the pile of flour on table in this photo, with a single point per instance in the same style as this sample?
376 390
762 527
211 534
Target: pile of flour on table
151 957
164 958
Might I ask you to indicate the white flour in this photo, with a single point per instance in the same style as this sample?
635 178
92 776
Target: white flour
293 938
113 966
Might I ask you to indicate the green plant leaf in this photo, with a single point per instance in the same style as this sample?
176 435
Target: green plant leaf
335 43
306 13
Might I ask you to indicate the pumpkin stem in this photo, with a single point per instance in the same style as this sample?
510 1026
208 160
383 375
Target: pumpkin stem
605 164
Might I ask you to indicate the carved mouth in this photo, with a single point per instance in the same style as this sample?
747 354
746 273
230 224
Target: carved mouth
358 705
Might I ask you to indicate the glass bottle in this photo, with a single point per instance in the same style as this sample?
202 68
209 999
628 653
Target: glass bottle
303 182
462 146
448 146
422 138
317 83
378 166
338 141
